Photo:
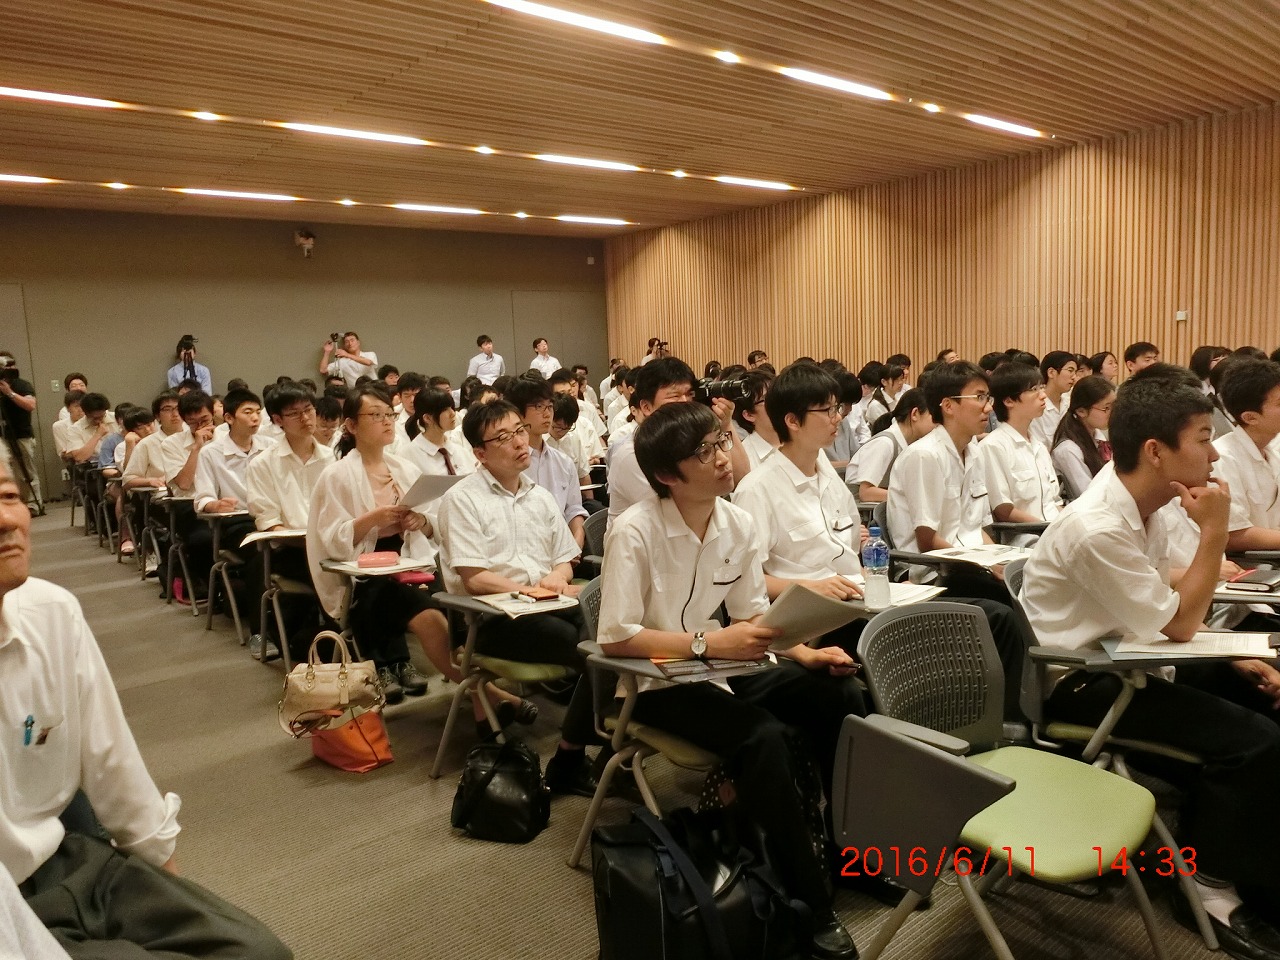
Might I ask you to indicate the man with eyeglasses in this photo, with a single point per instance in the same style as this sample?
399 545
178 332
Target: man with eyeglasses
548 467
1058 368
499 531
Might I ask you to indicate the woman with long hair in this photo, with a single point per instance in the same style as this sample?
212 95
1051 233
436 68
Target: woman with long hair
1078 455
894 432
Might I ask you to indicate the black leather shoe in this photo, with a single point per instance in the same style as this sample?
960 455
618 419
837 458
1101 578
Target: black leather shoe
412 682
831 941
391 688
570 772
1246 937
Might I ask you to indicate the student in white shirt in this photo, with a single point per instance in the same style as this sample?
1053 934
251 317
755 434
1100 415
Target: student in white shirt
759 439
68 415
486 364
436 449
854 430
348 361
1103 568
356 509
586 392
607 383
669 565
542 361
548 467
1077 452
1058 368
565 436
1022 486
1249 454
885 396
872 464
85 435
328 425
1139 356
563 382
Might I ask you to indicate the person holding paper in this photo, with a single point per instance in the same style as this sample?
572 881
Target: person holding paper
1102 568
669 565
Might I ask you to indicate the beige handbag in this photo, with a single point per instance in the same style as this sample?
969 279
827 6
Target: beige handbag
317 695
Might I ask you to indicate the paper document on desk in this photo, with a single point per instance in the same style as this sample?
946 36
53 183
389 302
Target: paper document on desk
1207 643
515 605
987 555
271 535
428 487
695 671
803 614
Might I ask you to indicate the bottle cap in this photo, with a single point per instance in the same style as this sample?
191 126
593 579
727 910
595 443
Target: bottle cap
874 531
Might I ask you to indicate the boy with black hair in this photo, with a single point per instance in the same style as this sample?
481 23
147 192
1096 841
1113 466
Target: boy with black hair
1058 368
585 390
565 437
144 463
1022 483
1140 355
408 387
85 435
328 420
1102 569
759 439
854 430
669 567
181 452
662 380
389 374
592 425
486 364
543 362
1249 459
347 361
548 467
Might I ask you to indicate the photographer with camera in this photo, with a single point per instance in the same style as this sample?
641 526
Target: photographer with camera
344 358
186 368
657 350
669 380
17 404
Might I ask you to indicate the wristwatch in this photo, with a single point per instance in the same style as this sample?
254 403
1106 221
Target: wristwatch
699 645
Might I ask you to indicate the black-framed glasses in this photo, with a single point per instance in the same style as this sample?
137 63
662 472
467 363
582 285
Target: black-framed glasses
506 436
304 413
706 450
388 417
982 398
837 411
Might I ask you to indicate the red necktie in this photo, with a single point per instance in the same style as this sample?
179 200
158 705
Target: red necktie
448 464
1104 450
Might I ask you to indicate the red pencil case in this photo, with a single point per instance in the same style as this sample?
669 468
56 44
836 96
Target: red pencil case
382 558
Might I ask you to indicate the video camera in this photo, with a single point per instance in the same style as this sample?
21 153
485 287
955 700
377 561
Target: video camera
8 368
335 338
707 389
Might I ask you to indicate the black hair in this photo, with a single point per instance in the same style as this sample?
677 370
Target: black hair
94 402
235 399
163 397
888 371
991 361
796 390
713 369
482 417
908 403
949 380
438 383
899 360
66 381
755 356
850 389
942 354
832 366
1087 392
1249 351
385 369
670 434
619 374
1009 383
235 383
285 396
483 339
355 398
766 367
657 375
500 384
1202 359
566 411
755 384
73 396
523 393
428 402
190 384
193 402
1054 360
411 381
328 408
1131 353
869 375
1246 384
1022 356
538 340
336 390
580 368
1157 406
136 417
1099 358
562 376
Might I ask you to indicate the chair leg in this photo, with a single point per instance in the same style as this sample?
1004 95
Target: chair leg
642 781
597 800
225 574
211 599
983 916
1148 915
190 584
278 612
891 925
463 689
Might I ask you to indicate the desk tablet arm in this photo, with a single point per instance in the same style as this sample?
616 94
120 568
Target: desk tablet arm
1002 531
1255 558
934 738
468 606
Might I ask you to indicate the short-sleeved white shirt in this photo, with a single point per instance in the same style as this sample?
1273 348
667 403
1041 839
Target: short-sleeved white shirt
544 365
932 487
1019 472
351 370
876 457
1045 426
281 484
1254 480
758 449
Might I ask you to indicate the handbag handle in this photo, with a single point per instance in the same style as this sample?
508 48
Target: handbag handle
712 924
476 794
340 643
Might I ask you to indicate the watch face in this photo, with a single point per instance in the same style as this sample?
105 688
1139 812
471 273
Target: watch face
699 646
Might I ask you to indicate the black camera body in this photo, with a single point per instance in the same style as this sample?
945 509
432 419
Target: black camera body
335 338
707 389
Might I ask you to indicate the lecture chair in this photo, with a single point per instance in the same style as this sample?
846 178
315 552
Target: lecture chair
935 665
593 528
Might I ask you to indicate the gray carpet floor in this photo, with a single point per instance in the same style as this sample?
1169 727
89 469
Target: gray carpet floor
344 865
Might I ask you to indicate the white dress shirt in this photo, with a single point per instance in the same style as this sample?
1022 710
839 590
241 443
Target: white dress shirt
222 471
1254 478
429 457
147 459
62 435
874 459
52 672
627 483
82 431
659 575
618 419
1099 570
1068 460
1045 426
22 935
932 487
852 433
807 527
556 473
487 368
352 370
280 485
1020 472
544 365
174 453
521 536
758 449
571 446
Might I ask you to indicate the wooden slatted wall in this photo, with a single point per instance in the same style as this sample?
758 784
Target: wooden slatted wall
1088 248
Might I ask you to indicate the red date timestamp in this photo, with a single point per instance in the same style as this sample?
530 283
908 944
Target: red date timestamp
1163 861
918 861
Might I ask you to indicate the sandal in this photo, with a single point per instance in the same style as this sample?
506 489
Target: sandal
524 712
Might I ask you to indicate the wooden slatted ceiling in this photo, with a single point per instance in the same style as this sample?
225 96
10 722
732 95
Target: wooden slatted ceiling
469 72
1086 249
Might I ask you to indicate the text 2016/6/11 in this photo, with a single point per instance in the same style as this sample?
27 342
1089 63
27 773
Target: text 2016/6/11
917 861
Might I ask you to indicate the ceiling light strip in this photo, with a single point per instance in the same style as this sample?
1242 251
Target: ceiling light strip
580 20
219 194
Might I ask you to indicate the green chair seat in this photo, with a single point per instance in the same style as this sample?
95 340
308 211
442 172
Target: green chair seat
1077 733
1103 810
676 749
520 671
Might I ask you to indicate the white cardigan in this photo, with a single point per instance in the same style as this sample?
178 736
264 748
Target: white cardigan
342 494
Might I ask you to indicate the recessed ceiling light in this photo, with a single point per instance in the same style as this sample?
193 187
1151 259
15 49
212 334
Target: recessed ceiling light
117 185
750 182
61 98
835 83
580 20
485 150
522 215
236 194
727 56
205 115
433 208
20 178
679 174
1004 125
931 107
599 221
585 162
354 134
347 202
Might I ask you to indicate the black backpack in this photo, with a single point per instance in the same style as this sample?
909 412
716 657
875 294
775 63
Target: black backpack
501 795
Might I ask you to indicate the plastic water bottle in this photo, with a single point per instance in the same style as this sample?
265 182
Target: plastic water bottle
875 571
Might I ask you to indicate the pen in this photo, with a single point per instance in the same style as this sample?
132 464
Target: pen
1241 575
26 730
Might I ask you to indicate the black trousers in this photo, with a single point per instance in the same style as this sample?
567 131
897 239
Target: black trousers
749 727
1214 712
547 638
101 904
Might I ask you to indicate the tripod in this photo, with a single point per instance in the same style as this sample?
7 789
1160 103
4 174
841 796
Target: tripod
24 466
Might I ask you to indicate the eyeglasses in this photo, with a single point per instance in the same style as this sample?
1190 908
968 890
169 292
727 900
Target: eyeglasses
388 417
707 449
561 429
982 398
304 414
542 406
507 436
1102 409
837 411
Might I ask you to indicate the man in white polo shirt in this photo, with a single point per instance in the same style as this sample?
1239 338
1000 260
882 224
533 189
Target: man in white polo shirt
1249 456
486 364
542 361
348 361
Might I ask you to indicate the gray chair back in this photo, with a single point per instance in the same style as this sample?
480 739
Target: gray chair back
603 682
1033 690
593 533
935 664
880 518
